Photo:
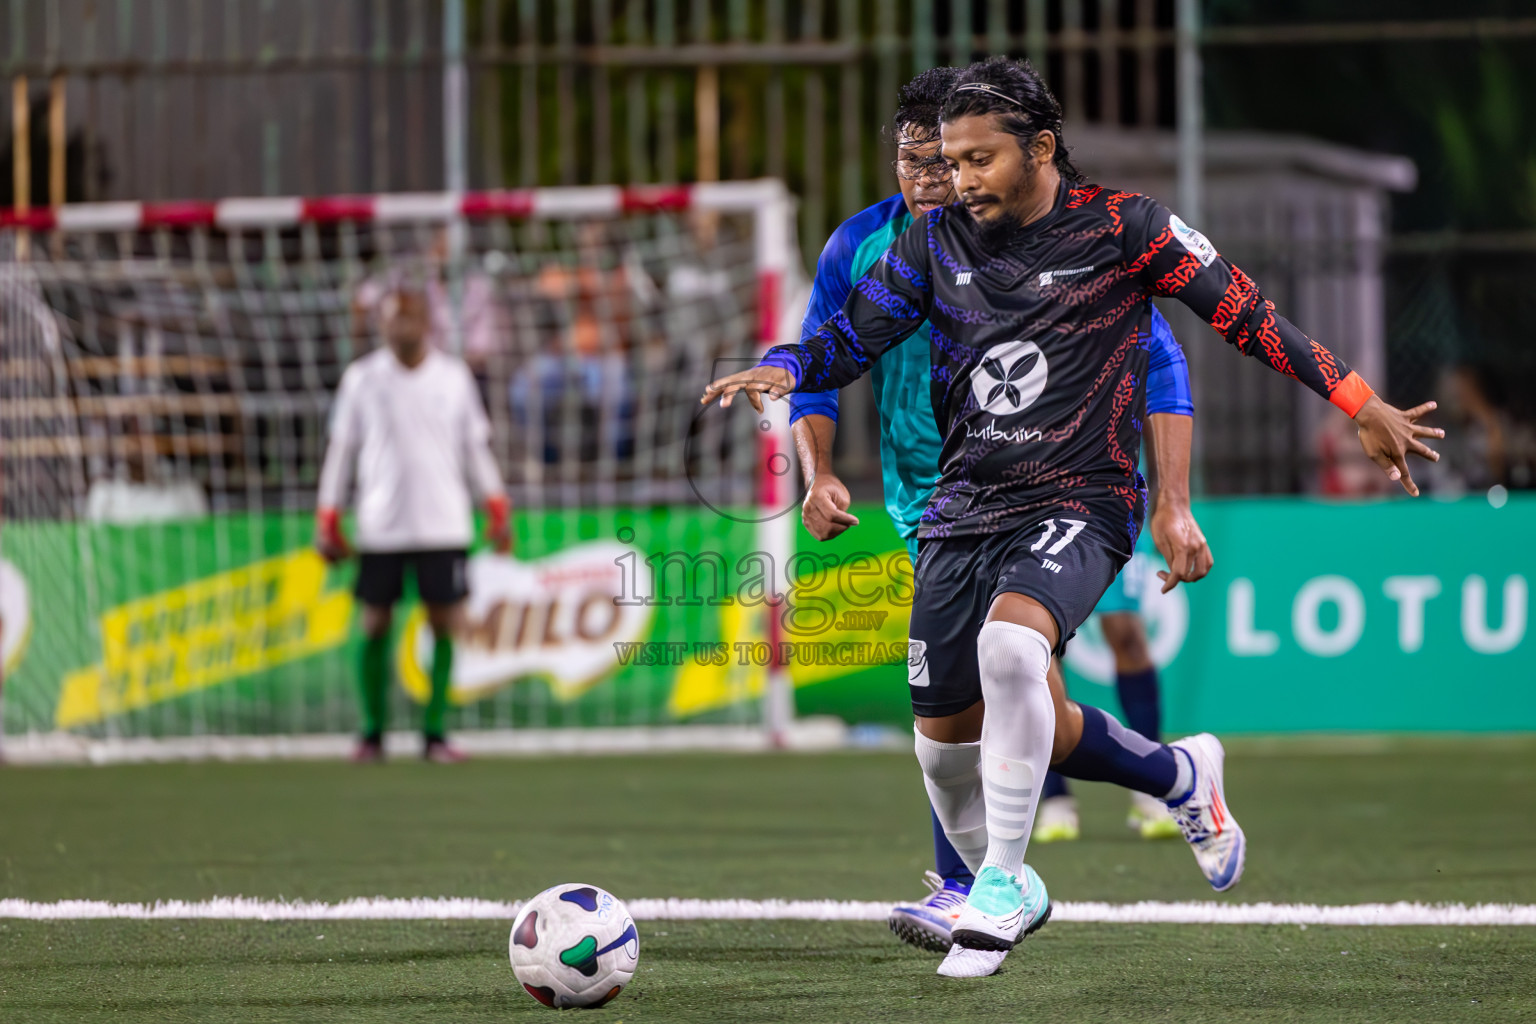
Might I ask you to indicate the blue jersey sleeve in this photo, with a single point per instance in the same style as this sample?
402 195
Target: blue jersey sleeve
1168 373
834 272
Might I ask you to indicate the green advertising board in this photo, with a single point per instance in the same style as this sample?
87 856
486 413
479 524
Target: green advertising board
1397 616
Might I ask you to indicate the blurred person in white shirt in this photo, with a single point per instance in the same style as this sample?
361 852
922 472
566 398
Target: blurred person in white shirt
409 425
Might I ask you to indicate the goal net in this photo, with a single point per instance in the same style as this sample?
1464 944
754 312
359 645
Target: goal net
168 370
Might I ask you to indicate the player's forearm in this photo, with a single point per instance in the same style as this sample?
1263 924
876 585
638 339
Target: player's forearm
334 473
830 359
1280 345
1181 263
813 440
885 307
485 475
1170 436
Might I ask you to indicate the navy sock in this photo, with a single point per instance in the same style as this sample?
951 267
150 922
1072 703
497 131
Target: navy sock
1109 752
946 859
1055 785
1139 698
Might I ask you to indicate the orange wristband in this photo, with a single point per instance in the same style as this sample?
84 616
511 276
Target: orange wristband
1351 393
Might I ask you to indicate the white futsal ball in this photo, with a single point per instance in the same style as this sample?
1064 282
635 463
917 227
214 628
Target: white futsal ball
574 946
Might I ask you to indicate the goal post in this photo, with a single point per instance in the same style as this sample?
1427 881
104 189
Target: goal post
169 369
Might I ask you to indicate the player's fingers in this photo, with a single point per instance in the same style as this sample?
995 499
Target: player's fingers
1420 410
1199 563
1423 450
755 397
1384 460
1420 430
843 518
1205 561
1172 578
1401 474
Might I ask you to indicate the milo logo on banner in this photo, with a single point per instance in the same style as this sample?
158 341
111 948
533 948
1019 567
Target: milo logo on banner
557 618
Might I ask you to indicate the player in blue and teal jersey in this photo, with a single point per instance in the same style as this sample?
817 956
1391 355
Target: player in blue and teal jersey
910 443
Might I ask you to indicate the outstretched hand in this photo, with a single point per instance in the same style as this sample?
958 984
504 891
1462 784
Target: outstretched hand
756 382
1182 544
1388 434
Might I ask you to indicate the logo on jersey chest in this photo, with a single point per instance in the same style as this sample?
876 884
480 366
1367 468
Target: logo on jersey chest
1010 378
1048 276
963 277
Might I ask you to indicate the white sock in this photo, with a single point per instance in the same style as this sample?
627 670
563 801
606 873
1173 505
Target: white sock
952 774
1016 736
1184 782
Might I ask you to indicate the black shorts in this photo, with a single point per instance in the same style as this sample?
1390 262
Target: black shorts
1063 565
440 576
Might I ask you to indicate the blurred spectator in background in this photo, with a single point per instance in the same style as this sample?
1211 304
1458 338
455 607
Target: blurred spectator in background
1489 446
577 385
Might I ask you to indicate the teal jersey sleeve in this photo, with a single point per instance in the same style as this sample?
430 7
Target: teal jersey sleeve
909 434
910 440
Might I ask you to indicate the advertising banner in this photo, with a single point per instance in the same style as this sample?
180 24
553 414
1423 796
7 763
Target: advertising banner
1391 616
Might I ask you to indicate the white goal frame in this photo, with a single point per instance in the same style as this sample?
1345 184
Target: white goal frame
780 286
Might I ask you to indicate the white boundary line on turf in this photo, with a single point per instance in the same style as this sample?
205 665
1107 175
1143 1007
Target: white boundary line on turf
238 908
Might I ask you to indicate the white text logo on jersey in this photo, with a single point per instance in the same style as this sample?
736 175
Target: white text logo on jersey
1049 276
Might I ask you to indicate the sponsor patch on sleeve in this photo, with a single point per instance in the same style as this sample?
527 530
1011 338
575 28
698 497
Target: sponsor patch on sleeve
1193 240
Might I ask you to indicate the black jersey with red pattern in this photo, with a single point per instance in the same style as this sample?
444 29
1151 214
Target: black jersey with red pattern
1039 350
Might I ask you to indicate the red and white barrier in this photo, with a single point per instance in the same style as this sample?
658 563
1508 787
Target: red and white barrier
400 208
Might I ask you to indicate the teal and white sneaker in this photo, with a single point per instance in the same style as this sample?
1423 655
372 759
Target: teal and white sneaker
926 924
1001 910
1208 826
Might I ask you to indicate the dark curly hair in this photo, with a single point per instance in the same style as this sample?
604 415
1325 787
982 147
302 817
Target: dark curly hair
1017 96
920 102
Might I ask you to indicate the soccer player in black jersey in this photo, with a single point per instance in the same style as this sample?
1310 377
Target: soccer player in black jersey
1036 289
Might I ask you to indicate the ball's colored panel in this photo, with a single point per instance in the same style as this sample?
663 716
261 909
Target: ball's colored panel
526 933
543 993
630 935
582 956
608 998
585 898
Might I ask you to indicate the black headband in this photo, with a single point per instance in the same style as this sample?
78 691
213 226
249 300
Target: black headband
993 90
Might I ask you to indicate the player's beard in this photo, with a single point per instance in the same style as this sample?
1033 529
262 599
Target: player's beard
998 232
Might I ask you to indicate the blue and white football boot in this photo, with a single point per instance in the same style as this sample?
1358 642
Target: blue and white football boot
1216 838
1001 911
926 924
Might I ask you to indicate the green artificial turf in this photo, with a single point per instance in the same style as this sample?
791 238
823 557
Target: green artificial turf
1436 822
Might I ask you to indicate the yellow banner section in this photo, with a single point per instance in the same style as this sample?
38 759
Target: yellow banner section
829 632
205 633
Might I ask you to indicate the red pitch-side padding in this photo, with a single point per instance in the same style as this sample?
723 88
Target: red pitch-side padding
514 203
